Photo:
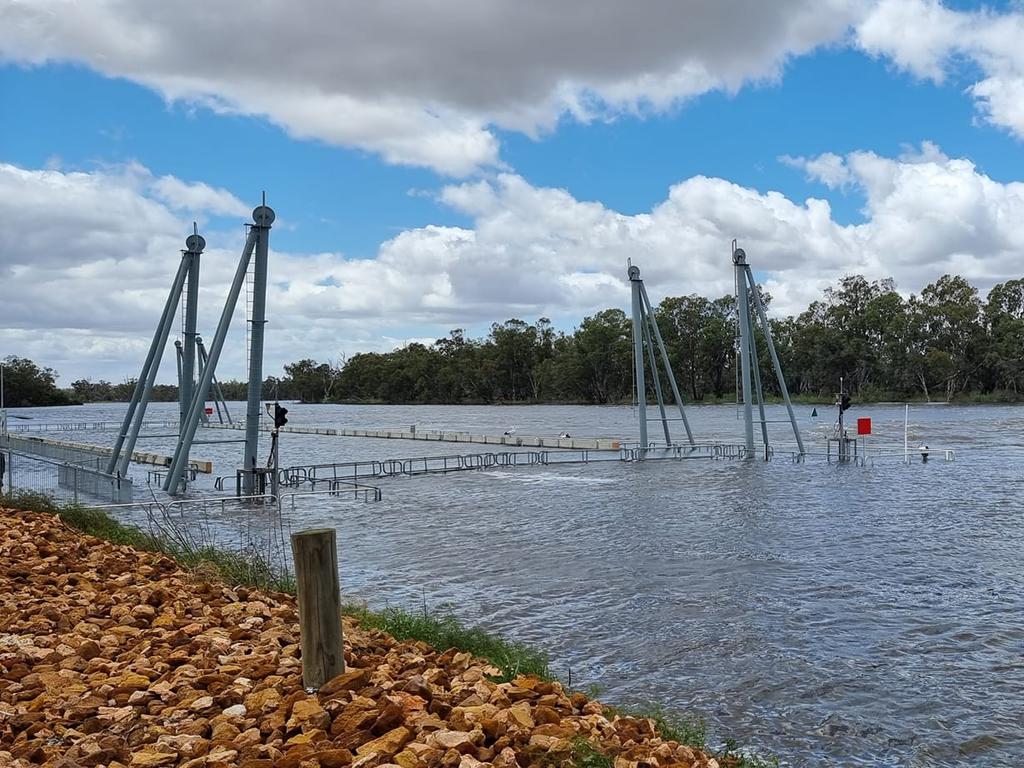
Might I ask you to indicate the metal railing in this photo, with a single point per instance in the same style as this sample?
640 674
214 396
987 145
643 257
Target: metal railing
86 456
63 480
335 486
81 426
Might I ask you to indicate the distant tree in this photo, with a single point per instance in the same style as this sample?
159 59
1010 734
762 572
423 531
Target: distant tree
1004 317
310 381
26 383
604 357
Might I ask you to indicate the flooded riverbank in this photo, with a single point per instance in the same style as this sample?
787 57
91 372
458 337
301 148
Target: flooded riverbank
825 613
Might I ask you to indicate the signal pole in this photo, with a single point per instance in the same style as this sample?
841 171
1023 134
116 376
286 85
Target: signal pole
280 419
845 443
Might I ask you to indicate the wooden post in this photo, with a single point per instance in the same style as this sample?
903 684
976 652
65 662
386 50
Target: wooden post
316 579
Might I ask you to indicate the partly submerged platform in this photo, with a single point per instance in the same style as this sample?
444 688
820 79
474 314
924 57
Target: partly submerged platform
74 452
437 436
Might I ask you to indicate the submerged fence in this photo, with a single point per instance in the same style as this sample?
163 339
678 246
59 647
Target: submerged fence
61 480
83 456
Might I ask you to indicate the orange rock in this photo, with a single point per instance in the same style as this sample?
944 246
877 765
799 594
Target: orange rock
461 741
334 758
307 714
352 680
387 745
519 714
152 758
550 743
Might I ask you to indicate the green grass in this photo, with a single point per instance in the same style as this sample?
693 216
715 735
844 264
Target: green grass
442 631
671 726
235 568
676 727
585 755
731 757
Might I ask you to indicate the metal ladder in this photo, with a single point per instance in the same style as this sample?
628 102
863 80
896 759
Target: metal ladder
250 279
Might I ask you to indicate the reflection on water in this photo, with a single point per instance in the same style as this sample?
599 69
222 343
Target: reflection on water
864 616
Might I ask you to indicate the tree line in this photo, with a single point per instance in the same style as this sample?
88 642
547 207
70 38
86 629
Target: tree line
943 344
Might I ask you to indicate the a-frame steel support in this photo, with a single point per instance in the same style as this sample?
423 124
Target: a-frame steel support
647 337
747 299
127 436
257 240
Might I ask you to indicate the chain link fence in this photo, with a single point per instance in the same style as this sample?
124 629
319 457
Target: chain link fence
61 480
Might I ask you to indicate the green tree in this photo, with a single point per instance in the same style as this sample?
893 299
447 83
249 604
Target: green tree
1004 318
310 381
603 353
26 383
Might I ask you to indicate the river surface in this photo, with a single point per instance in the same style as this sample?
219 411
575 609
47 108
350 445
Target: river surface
826 614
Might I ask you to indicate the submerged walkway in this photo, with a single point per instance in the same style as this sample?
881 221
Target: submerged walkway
436 436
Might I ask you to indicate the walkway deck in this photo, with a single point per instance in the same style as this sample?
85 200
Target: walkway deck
512 441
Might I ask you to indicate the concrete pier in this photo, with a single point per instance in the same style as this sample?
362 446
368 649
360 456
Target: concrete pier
47 446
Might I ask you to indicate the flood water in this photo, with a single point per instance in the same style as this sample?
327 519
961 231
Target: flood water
829 615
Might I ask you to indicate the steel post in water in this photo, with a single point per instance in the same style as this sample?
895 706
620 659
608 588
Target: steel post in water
195 244
638 357
656 379
155 349
315 553
218 393
173 482
906 434
755 367
200 364
177 357
264 217
739 259
275 478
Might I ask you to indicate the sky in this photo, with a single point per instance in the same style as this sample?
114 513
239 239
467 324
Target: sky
441 164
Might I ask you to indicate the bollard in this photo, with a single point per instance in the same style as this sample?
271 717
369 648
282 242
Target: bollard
316 580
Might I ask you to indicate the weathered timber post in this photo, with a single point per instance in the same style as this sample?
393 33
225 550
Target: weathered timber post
316 579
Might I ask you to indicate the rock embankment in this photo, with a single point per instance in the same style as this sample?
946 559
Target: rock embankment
118 658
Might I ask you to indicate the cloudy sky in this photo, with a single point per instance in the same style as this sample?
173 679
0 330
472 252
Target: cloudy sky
446 163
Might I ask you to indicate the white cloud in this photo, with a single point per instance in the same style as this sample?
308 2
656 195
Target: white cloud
199 197
928 39
81 284
425 83
828 168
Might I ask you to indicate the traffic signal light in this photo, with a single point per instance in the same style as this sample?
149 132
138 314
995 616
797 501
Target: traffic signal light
844 402
280 415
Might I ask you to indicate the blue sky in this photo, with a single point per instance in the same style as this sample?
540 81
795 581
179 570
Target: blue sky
426 195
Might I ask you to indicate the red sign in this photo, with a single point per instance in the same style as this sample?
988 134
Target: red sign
209 411
864 425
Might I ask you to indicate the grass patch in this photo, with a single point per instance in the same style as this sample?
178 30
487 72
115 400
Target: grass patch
442 631
234 568
586 755
676 727
671 726
731 757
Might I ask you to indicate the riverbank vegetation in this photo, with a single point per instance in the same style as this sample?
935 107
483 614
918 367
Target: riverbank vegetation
944 345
